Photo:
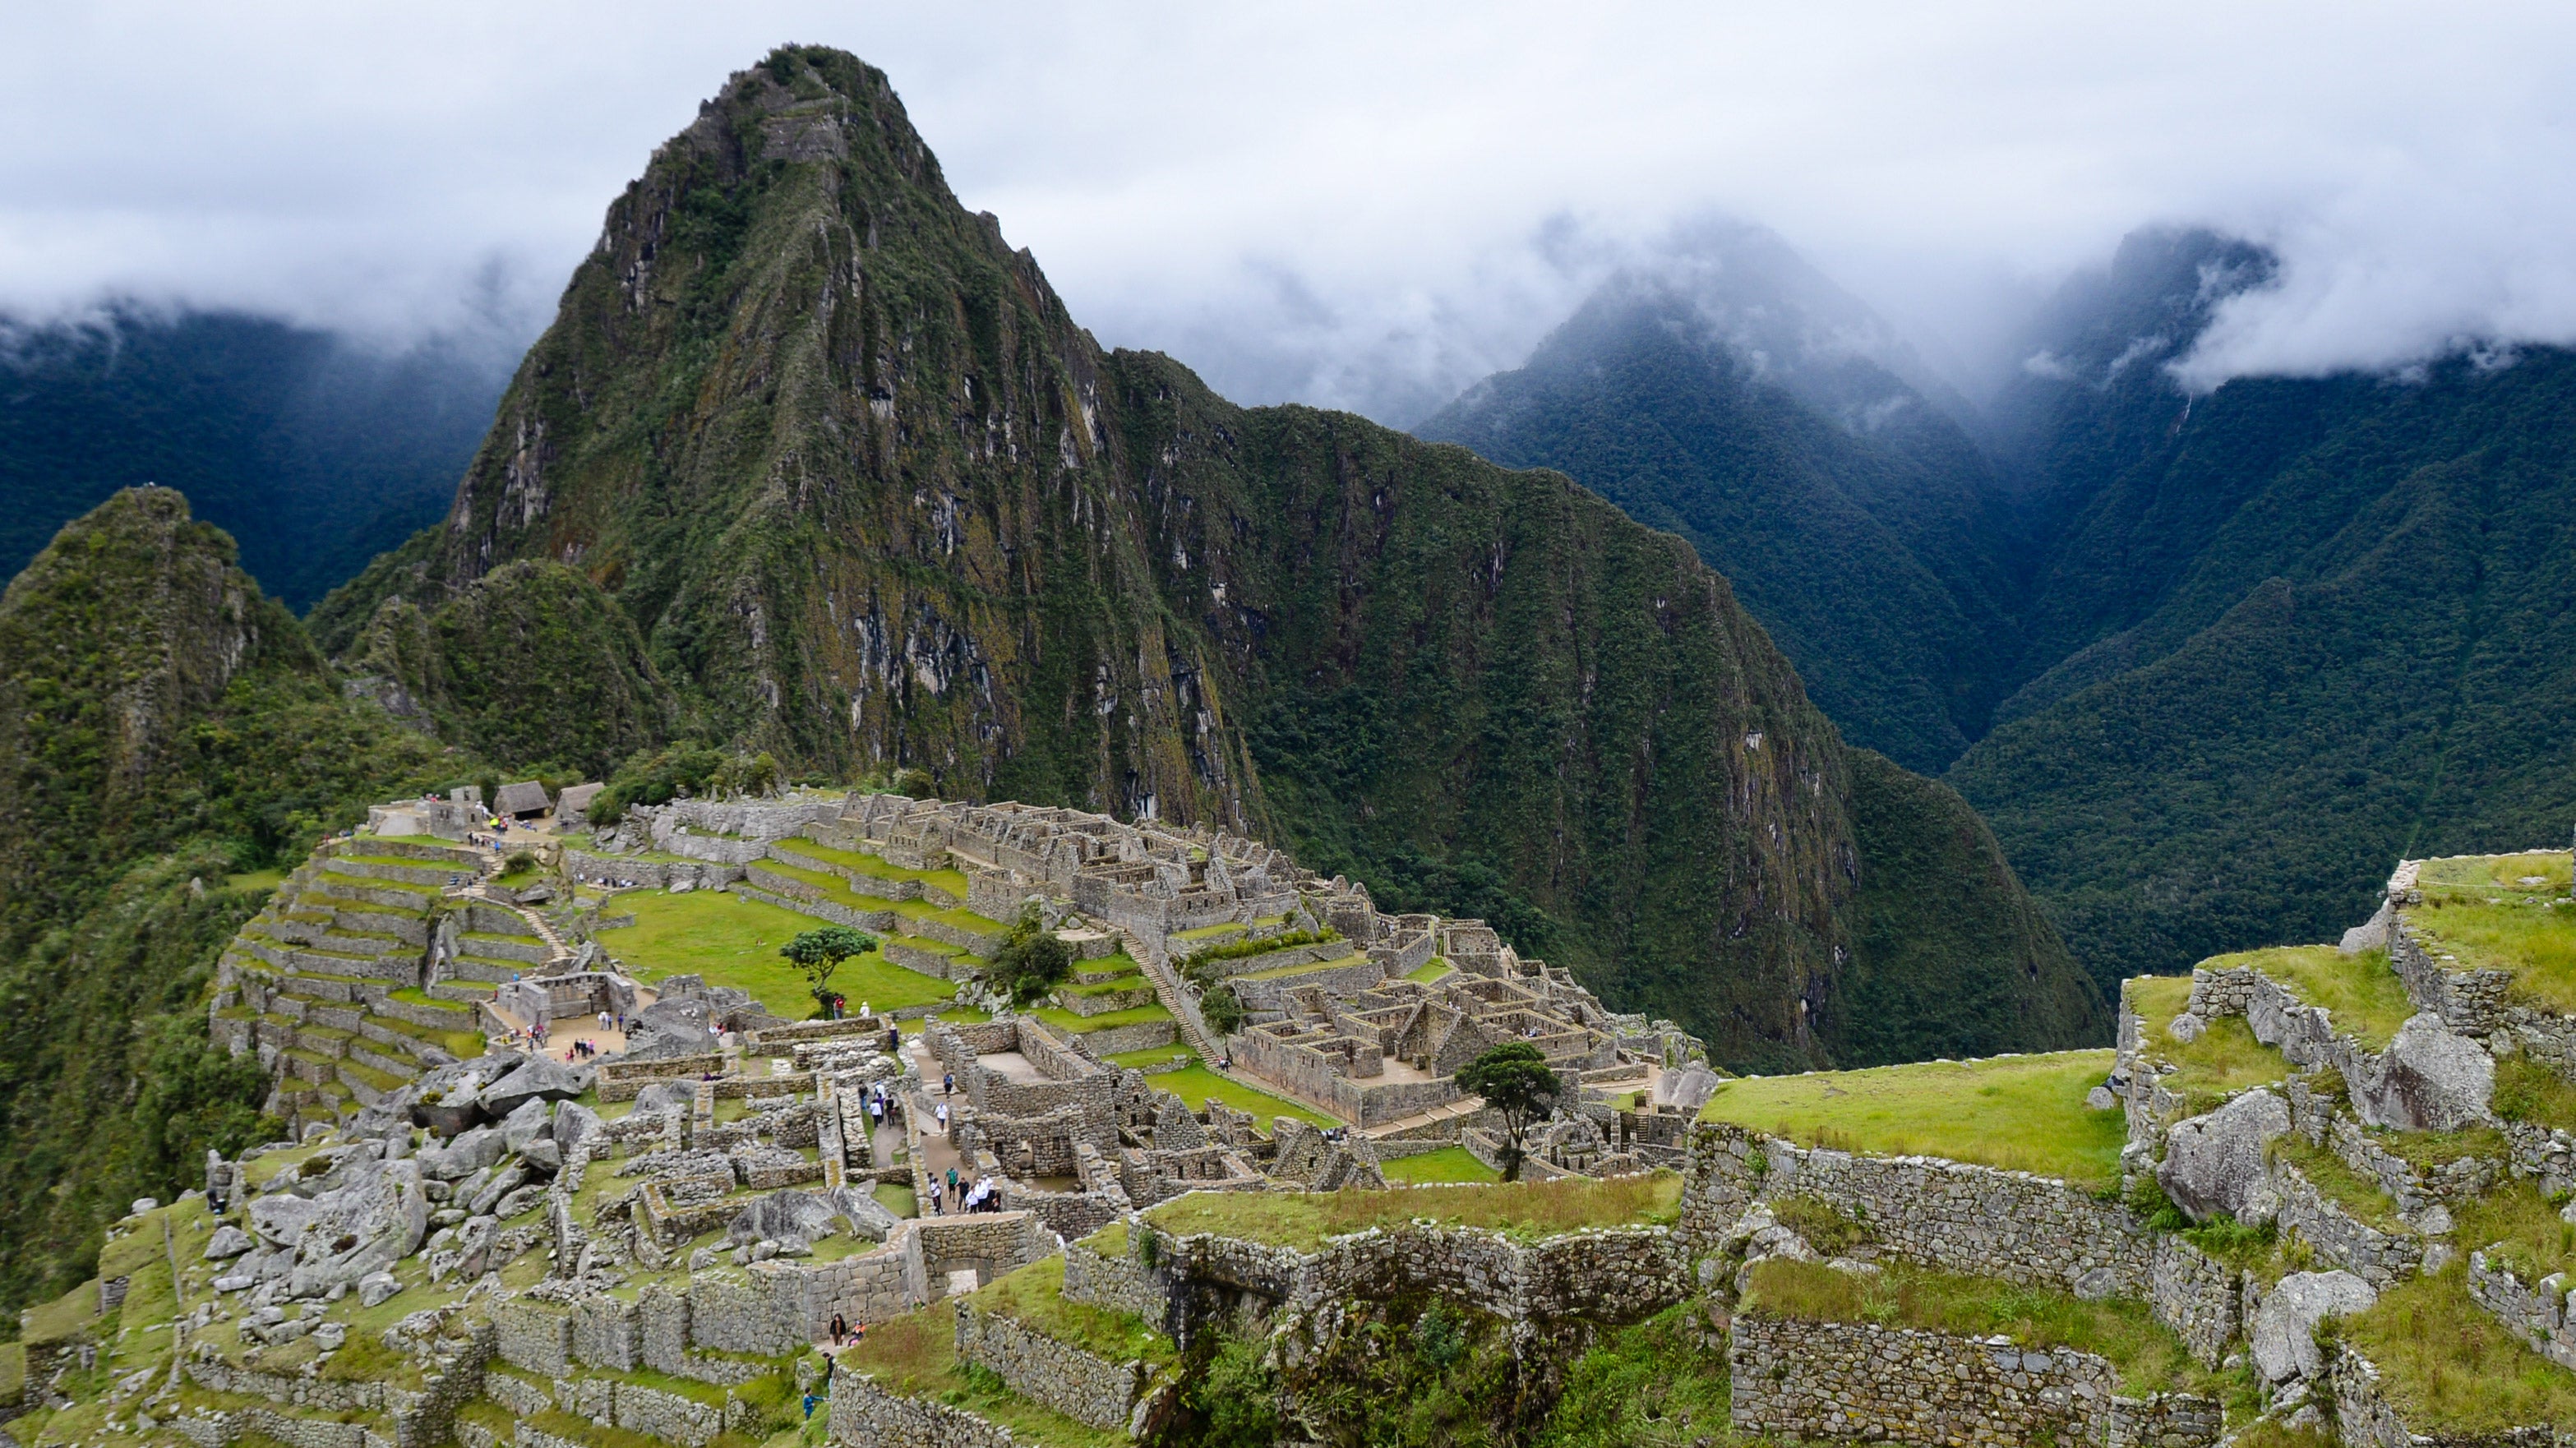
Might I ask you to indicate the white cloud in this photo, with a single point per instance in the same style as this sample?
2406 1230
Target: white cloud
1357 204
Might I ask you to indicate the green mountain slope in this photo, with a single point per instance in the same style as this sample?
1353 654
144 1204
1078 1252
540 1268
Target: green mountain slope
2318 624
316 452
873 499
1860 525
162 724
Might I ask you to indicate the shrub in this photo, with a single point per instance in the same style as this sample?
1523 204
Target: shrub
1031 960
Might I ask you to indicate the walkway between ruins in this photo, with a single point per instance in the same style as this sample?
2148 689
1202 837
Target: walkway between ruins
930 1146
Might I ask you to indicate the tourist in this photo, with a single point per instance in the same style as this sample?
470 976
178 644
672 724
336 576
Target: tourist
894 1040
947 1084
840 1328
934 1198
943 1118
952 1178
809 1405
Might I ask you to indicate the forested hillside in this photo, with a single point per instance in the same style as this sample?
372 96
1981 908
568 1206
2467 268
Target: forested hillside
1856 520
873 499
318 453
166 733
2304 626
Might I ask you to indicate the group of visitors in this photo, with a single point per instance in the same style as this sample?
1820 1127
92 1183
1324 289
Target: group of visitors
880 1105
981 1195
580 1050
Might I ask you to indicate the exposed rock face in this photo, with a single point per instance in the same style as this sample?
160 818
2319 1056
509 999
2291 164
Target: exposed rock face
533 1119
228 1241
365 1226
469 1153
2215 1163
542 1078
2284 1331
790 1217
2429 1079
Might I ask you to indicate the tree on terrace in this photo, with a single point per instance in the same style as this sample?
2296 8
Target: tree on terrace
1514 1080
818 953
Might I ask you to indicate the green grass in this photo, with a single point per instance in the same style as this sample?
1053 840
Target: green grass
1429 971
412 995
2487 876
915 1355
255 880
2527 1091
1034 1295
952 881
2346 1188
2018 1113
1654 1385
1448 1164
2535 942
897 1198
1065 1020
2150 1358
1150 1056
2225 1060
1284 972
2449 1368
734 941
1194 1084
2519 1230
1303 1220
2361 992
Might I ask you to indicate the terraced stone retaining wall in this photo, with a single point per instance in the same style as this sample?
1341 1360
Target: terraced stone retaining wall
863 1413
1800 1379
1082 1386
2536 1311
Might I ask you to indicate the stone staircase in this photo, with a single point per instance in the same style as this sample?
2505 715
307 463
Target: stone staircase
558 955
1174 996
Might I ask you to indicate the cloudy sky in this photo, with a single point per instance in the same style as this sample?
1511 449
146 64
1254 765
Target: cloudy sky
1361 205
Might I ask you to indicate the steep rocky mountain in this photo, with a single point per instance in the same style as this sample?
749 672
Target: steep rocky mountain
2299 626
872 499
163 727
316 451
1755 409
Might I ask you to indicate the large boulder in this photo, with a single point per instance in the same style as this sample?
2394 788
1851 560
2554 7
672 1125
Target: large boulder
361 1229
2284 1333
228 1241
784 1217
574 1123
534 1118
666 1096
463 1157
866 1215
2429 1079
2215 1163
542 1078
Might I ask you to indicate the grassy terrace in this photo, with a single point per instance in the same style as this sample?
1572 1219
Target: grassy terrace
2530 1092
916 1355
1066 1021
2519 1230
1429 970
2019 1113
2452 1370
1448 1164
2361 992
2525 934
2358 1195
2149 1357
2225 1060
952 881
1303 1220
1282 972
1034 1295
734 941
1195 1083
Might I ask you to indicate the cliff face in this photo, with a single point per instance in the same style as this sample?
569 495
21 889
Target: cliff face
874 499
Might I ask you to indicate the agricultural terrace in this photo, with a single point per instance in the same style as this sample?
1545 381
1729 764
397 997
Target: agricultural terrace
2017 1113
2224 1060
915 1355
2504 912
1304 1220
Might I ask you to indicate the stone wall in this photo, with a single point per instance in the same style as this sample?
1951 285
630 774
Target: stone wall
2537 1312
1799 1379
1946 1214
866 1416
1119 1284
2194 1294
1057 1375
2379 1258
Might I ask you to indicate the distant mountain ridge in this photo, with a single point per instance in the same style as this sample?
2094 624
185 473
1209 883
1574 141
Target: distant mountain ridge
317 453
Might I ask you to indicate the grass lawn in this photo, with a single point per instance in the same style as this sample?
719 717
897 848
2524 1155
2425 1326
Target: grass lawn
2528 1091
1035 1295
1195 1083
2356 1194
952 881
2362 991
256 880
916 1355
897 1198
1448 1164
2533 940
1067 1021
1528 1209
2535 872
2149 1356
2225 1060
2019 1113
1429 970
2519 1230
2452 1370
1283 972
734 941
1149 1057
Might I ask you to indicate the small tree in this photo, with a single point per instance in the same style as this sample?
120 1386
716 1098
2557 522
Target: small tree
1031 959
1514 1080
818 953
1223 1008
